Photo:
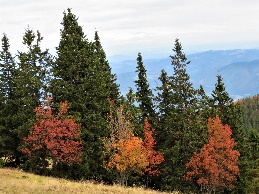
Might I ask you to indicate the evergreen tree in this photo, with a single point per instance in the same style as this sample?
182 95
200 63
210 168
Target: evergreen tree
144 94
8 138
132 112
106 69
22 87
250 114
179 131
230 113
253 146
164 106
31 81
83 77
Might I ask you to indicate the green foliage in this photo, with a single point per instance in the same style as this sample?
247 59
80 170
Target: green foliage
178 132
144 94
7 101
22 84
253 147
30 80
250 113
230 113
101 60
83 77
132 112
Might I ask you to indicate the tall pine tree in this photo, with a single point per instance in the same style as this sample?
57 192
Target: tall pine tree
31 81
144 93
83 77
178 132
230 113
106 69
8 137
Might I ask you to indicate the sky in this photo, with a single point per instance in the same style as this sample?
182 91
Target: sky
127 27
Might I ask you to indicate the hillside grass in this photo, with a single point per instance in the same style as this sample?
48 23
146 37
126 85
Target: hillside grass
14 181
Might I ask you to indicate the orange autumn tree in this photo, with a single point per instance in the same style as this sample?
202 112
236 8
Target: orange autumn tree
154 157
125 152
54 137
216 166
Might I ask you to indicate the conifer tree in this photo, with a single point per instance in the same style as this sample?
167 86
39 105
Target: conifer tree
230 112
144 94
106 69
179 130
8 138
23 85
223 105
164 107
30 81
83 77
133 111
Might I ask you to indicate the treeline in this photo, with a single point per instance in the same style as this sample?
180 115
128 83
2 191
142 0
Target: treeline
54 105
250 113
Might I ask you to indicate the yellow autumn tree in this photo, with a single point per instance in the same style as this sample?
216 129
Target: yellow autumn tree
126 152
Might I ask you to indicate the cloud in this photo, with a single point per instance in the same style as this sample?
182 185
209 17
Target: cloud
133 25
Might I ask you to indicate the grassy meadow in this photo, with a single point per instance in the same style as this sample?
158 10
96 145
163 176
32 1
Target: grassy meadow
17 182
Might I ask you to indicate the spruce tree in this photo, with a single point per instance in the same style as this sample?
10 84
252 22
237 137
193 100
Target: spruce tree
83 77
230 113
31 81
179 130
8 138
132 111
144 93
164 106
106 69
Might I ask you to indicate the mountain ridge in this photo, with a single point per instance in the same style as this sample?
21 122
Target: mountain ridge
238 68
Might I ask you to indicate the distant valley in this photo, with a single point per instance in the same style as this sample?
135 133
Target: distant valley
239 69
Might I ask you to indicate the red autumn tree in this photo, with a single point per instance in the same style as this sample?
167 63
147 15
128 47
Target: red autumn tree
54 137
215 167
154 157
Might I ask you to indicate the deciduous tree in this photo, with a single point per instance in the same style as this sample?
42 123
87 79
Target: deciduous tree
230 113
154 157
130 156
125 151
216 166
54 137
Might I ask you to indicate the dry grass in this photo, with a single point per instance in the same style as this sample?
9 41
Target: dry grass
15 181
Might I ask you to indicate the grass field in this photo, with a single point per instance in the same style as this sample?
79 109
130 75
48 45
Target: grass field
17 182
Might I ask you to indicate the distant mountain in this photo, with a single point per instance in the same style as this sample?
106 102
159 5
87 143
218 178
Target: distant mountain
239 69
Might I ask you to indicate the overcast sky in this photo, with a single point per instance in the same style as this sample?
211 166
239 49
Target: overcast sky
132 26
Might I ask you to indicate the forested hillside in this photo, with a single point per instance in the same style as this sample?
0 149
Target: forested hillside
64 116
250 113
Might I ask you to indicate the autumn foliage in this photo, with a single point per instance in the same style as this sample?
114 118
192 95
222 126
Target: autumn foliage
130 156
55 135
125 151
154 157
128 153
215 167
